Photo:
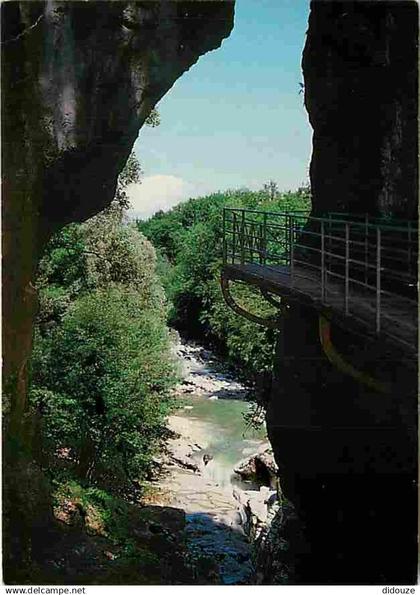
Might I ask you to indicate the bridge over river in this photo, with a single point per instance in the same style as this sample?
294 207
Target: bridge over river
357 271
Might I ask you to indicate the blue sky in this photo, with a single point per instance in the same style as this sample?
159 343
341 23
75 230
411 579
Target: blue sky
236 118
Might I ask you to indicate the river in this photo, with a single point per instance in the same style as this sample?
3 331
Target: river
227 437
210 437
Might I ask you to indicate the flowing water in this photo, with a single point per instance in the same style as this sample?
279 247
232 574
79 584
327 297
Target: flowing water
216 431
228 440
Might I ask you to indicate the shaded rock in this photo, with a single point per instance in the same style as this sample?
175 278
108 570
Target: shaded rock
360 67
210 537
279 545
361 58
257 509
260 467
173 519
79 80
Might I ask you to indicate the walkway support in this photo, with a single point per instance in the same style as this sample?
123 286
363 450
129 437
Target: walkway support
267 322
337 360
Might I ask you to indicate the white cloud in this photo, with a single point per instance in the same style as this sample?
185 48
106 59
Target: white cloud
157 193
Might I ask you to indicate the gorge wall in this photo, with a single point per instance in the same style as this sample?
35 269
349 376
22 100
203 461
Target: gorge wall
348 455
78 81
360 67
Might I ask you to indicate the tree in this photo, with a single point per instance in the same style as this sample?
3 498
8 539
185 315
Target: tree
102 364
271 188
101 381
188 239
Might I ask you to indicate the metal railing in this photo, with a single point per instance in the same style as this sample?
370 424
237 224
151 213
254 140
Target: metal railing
365 268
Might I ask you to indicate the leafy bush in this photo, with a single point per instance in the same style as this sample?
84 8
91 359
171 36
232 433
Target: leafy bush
102 364
102 382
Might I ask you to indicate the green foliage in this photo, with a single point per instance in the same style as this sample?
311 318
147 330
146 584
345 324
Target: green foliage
153 119
131 174
249 345
102 364
188 239
108 516
104 377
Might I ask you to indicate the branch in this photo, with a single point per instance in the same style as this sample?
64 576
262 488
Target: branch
24 32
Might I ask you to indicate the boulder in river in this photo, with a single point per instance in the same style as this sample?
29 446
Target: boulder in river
257 509
259 467
203 375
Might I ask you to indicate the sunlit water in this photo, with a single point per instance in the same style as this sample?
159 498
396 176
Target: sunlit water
228 440
216 521
231 439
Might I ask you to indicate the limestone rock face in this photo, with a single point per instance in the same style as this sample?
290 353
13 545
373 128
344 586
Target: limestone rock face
78 81
360 70
347 456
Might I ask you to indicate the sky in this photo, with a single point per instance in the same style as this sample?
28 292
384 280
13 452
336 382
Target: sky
236 118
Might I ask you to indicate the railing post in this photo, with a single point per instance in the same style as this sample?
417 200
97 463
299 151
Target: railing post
224 237
249 241
292 267
264 249
378 280
346 288
242 237
323 261
286 245
233 236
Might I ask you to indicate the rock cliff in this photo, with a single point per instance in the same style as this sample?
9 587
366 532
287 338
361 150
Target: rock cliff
347 455
78 81
360 70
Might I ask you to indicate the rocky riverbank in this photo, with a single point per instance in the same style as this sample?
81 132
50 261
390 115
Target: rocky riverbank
210 514
225 511
204 375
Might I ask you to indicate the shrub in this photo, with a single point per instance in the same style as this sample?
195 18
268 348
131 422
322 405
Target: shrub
101 381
